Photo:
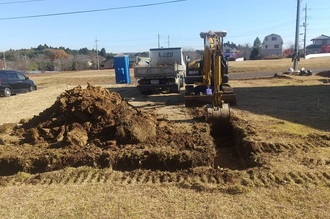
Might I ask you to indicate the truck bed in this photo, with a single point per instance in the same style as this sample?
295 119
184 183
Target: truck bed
157 72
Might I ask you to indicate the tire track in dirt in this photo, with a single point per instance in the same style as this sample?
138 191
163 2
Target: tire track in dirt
201 179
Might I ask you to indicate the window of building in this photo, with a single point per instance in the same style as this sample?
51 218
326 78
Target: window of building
266 46
276 46
274 38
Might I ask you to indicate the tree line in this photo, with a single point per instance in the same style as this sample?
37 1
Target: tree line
46 58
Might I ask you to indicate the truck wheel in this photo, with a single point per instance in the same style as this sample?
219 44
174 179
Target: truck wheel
146 91
176 89
7 92
189 89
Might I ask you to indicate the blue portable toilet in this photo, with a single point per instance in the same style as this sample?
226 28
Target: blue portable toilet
121 64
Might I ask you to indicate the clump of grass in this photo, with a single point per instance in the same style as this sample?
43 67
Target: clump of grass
235 189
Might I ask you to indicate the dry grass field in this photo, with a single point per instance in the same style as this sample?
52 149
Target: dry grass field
277 65
272 162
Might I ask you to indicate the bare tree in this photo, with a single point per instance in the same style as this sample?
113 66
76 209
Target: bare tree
244 50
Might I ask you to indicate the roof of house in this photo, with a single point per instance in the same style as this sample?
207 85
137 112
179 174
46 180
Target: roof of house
229 47
273 34
313 46
322 37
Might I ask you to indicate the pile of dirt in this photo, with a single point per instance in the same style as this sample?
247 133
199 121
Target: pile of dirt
89 116
95 127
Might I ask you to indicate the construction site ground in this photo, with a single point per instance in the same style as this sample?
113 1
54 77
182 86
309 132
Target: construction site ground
82 135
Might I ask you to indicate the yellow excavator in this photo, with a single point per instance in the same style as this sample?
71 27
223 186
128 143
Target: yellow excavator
207 79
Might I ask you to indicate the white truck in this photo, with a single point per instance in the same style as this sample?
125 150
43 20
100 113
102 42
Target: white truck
165 71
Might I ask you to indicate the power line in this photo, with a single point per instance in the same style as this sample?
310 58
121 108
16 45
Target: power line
18 2
95 10
321 8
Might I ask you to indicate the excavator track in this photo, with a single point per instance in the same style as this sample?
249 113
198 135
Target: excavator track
202 100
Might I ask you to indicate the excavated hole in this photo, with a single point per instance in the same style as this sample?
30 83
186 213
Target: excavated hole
98 128
230 152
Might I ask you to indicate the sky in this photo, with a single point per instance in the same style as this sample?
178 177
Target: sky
122 26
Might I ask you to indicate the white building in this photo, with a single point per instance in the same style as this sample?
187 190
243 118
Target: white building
272 46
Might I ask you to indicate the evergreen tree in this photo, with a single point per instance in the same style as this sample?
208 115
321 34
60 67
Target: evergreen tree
103 52
256 51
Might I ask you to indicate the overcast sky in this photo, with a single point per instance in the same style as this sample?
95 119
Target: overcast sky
134 25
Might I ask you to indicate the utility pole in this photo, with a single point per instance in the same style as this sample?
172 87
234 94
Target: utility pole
305 30
296 52
97 56
158 42
168 41
4 61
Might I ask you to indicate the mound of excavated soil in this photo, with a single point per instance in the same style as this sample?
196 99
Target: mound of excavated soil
89 116
96 127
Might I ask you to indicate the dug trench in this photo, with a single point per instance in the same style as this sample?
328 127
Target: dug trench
228 145
98 128
232 149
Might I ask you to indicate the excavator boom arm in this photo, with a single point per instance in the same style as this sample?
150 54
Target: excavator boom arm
213 75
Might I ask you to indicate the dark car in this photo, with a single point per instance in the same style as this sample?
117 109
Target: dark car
13 82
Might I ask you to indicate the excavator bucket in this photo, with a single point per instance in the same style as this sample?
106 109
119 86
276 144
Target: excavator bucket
218 115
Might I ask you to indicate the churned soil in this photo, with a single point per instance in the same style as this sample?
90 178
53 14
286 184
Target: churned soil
95 127
278 134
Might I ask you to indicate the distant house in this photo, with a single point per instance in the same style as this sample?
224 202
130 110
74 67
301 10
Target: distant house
272 46
107 64
319 43
230 53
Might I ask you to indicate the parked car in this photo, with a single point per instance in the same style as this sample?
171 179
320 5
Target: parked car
13 82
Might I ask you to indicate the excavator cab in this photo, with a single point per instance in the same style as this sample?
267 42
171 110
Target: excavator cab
210 73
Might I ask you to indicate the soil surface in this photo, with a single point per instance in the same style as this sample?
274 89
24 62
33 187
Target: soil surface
96 127
83 119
